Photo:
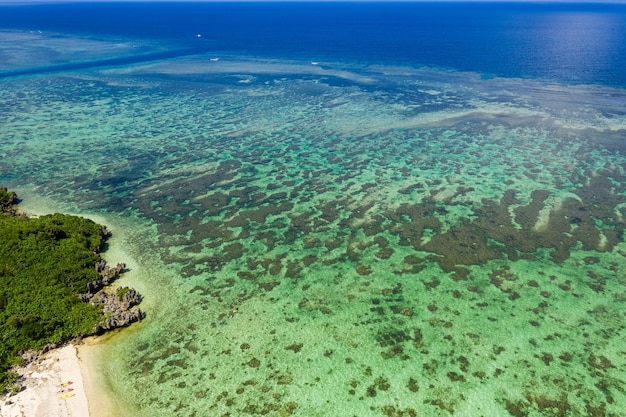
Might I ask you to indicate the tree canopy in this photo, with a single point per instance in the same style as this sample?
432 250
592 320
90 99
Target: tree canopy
45 263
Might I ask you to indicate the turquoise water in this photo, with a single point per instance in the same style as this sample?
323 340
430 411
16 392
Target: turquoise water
397 241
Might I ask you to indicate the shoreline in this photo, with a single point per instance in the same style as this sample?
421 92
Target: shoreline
78 360
42 395
99 398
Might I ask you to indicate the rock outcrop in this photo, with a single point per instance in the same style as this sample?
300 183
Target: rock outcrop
117 308
35 355
107 276
7 204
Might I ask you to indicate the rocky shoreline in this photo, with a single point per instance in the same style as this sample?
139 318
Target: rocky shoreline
118 306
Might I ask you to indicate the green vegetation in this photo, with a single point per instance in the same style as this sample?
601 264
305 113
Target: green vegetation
45 263
121 292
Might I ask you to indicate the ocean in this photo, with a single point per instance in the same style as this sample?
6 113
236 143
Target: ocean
338 209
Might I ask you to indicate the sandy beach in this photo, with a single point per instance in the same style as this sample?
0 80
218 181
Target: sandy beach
53 387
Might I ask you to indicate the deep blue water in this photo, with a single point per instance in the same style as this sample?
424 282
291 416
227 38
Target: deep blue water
574 43
577 43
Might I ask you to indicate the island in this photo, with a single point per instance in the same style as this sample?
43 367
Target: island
54 286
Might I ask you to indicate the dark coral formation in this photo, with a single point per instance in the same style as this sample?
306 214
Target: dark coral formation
493 234
222 217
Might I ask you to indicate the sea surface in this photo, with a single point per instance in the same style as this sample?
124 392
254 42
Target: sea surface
339 209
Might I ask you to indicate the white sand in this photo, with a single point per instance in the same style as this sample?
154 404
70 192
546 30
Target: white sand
43 381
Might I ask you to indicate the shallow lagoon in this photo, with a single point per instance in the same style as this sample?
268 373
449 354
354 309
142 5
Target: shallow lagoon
396 241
